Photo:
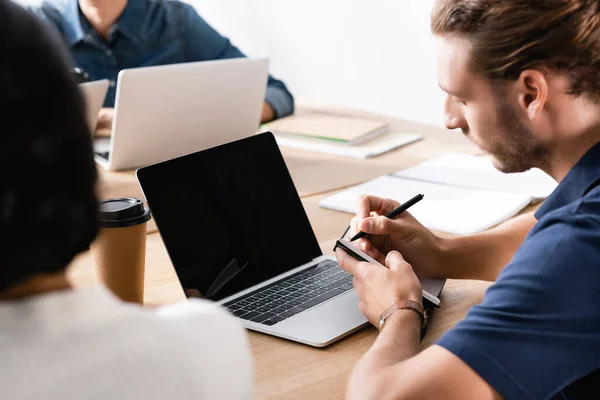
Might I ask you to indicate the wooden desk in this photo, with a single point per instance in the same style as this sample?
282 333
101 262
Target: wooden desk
315 173
284 369
312 173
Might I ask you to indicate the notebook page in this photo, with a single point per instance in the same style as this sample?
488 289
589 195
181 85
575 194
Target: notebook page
445 208
478 172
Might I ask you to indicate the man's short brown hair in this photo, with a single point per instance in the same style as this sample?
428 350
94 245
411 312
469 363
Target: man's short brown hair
510 36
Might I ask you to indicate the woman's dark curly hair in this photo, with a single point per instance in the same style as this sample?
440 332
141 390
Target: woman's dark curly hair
47 171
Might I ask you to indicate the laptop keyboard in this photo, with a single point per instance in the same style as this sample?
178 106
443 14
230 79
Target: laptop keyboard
103 154
291 296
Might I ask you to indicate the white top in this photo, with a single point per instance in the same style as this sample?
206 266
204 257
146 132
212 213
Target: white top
85 344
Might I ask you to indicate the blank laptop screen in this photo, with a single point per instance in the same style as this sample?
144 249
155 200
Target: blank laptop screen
229 216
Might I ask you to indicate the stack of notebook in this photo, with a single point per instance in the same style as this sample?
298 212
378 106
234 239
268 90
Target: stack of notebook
353 137
463 194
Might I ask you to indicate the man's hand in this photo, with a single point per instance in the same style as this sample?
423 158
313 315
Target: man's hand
105 118
418 245
379 287
267 113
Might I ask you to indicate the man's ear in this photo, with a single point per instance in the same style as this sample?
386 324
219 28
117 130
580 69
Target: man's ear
532 89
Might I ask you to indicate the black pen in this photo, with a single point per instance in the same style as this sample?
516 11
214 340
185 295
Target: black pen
395 212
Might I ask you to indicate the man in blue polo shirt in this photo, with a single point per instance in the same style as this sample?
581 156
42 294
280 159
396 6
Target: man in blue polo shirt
106 36
523 82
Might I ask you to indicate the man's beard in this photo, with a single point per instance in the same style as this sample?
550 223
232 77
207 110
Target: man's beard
517 149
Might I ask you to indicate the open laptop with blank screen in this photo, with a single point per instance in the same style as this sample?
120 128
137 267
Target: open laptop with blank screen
167 111
237 233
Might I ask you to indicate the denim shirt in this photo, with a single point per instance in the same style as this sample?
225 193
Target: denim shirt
148 32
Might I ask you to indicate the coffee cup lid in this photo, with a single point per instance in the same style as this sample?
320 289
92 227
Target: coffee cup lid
121 213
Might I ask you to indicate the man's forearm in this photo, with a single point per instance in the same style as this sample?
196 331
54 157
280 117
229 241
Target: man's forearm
482 256
279 98
398 341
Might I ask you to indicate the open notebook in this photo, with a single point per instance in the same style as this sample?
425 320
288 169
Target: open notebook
463 194
479 173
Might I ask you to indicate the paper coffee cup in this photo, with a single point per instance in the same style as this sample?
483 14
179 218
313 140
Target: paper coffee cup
119 251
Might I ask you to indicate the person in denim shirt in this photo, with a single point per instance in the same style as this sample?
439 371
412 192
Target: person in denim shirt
106 36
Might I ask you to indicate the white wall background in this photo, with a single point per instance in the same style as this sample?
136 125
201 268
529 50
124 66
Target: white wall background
376 55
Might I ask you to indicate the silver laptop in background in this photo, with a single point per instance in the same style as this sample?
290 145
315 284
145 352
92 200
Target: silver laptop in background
94 93
237 233
166 111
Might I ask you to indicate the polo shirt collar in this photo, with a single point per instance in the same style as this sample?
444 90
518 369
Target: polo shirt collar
584 176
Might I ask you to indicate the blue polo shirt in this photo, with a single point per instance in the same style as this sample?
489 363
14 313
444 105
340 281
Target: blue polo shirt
148 32
536 334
